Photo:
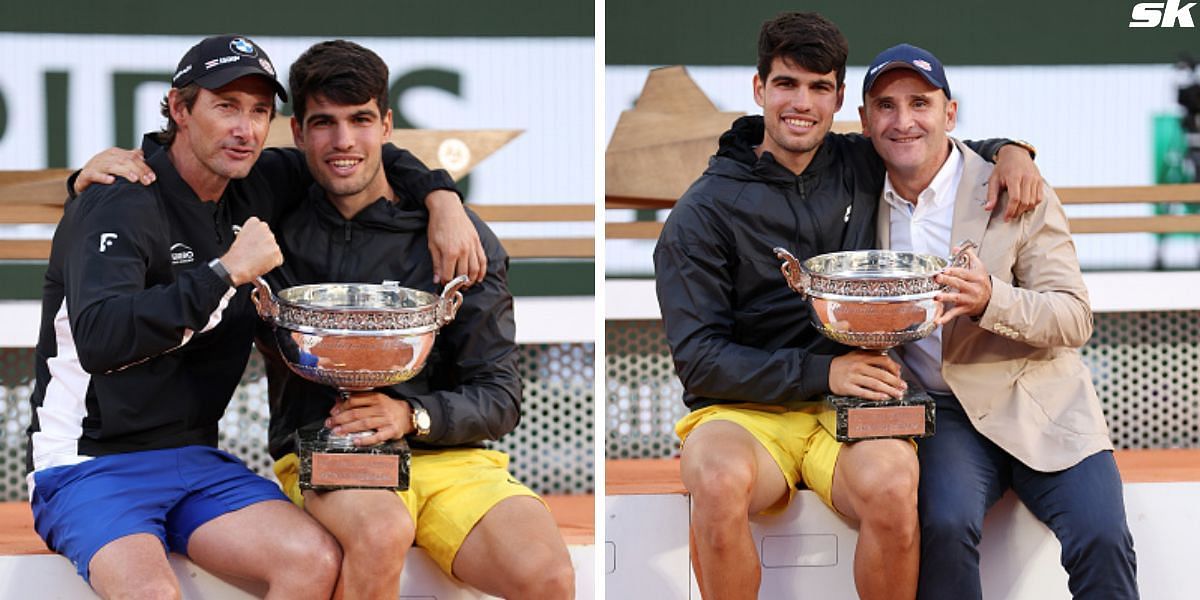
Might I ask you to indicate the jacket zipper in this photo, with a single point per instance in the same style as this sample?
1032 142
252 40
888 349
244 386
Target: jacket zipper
217 223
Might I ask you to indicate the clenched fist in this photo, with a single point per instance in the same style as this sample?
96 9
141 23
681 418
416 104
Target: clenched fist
254 252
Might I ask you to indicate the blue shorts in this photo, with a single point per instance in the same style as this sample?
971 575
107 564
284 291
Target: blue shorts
78 509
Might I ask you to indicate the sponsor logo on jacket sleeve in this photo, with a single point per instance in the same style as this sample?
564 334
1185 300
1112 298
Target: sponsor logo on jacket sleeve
181 254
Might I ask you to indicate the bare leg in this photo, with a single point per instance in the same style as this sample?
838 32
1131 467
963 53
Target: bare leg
730 477
875 483
134 567
694 555
375 531
272 541
516 551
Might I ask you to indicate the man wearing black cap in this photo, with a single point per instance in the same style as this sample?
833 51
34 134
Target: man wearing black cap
1015 403
752 366
146 328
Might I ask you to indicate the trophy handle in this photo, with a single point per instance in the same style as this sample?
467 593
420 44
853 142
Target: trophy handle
960 258
450 301
265 300
796 278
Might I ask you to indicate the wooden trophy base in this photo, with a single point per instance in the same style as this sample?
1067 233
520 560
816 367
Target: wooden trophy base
861 419
325 467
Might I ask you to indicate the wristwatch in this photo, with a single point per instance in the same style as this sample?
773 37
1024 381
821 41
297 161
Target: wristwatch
1024 145
219 268
421 421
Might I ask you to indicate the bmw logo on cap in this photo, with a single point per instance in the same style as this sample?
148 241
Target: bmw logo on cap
241 45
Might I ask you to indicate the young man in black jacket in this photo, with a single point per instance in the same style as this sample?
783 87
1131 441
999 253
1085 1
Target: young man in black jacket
463 507
750 362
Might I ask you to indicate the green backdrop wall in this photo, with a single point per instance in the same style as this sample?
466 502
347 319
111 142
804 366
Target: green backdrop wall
965 32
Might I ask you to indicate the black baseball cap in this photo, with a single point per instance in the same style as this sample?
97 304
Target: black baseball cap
219 59
907 56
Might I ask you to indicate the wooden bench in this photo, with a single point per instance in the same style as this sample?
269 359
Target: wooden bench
635 476
574 515
808 547
36 197
28 569
1147 194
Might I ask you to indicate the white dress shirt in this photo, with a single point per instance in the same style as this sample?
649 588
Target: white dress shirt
925 228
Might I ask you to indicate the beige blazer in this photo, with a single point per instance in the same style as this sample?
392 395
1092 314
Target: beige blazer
1017 369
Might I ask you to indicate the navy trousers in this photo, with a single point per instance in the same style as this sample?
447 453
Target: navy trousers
963 474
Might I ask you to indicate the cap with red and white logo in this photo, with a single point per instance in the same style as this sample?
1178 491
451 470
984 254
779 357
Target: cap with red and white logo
220 59
907 56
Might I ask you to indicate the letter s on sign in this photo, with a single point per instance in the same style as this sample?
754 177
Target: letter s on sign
1146 14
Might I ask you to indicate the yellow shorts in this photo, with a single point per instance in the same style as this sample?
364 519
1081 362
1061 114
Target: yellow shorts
801 440
450 491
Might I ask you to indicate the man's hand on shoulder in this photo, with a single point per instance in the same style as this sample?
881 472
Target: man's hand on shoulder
105 167
453 240
867 375
364 411
1016 172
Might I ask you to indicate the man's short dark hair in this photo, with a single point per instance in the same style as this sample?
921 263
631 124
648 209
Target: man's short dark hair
187 95
805 39
341 72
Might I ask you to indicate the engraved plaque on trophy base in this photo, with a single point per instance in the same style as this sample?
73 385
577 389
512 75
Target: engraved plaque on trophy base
325 466
862 419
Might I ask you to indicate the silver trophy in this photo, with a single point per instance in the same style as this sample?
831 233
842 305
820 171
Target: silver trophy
874 300
355 337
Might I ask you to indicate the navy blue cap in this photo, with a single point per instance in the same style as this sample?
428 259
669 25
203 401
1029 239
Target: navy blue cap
220 59
907 56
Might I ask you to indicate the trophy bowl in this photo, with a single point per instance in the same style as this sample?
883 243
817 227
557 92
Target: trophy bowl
354 337
874 300
871 299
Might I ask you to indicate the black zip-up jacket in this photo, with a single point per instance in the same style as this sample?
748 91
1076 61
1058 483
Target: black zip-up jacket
470 384
141 344
737 332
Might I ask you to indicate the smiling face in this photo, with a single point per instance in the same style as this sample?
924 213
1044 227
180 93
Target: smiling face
907 119
342 145
798 107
